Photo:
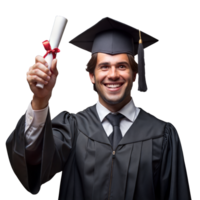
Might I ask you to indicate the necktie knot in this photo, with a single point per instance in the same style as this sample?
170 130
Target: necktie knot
114 119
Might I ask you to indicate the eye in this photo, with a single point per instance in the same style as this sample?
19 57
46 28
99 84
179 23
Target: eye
104 67
122 67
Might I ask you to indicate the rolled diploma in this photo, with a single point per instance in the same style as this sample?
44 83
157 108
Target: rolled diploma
56 35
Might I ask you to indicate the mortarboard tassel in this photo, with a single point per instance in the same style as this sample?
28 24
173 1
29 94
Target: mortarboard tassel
142 86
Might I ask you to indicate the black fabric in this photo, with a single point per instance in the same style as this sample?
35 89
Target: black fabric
116 135
148 161
112 37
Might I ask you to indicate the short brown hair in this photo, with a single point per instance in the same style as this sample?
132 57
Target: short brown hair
93 61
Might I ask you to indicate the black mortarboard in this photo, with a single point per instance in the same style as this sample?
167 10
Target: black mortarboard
113 37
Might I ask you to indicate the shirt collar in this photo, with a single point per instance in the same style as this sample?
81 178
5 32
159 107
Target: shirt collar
128 110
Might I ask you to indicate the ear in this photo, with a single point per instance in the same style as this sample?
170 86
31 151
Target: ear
92 77
134 76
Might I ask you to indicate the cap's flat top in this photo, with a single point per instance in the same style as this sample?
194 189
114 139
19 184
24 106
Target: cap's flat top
85 40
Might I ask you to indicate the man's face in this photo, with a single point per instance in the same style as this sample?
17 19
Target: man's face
113 78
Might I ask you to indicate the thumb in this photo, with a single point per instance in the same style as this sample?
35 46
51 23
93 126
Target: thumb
55 66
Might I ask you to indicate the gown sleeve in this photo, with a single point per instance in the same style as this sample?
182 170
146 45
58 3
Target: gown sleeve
53 152
173 181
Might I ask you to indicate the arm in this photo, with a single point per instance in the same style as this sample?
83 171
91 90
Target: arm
55 150
42 161
173 181
34 123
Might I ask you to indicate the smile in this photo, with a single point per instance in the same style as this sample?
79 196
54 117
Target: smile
113 86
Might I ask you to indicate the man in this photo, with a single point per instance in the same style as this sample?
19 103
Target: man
112 150
113 77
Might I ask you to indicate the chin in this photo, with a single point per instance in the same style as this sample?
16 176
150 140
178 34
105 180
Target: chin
113 101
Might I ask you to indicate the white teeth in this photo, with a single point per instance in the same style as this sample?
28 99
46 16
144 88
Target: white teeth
113 86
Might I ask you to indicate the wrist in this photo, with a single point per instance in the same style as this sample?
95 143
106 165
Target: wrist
39 103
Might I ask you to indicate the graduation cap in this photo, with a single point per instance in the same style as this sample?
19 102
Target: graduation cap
112 37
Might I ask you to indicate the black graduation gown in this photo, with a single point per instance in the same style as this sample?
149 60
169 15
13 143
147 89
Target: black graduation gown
147 164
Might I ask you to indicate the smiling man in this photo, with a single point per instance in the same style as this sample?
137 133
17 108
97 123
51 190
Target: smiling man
113 77
112 150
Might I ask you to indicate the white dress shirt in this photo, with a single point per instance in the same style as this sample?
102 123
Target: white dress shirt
129 111
35 120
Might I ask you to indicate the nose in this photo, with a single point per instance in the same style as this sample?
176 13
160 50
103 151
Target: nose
113 73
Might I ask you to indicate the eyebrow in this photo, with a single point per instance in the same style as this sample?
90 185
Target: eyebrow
108 63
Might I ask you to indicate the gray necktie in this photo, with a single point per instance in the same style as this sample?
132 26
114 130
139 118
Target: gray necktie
116 135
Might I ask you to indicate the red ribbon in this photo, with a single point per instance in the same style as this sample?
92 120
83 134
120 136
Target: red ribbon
47 46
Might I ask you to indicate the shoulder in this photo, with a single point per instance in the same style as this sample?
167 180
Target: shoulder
157 121
151 118
63 117
84 115
87 114
170 135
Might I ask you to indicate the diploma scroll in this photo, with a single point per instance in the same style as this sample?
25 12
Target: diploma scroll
55 38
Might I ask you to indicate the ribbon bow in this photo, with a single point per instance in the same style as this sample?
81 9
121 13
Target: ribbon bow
47 46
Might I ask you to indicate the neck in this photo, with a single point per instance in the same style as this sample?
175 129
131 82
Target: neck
114 107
